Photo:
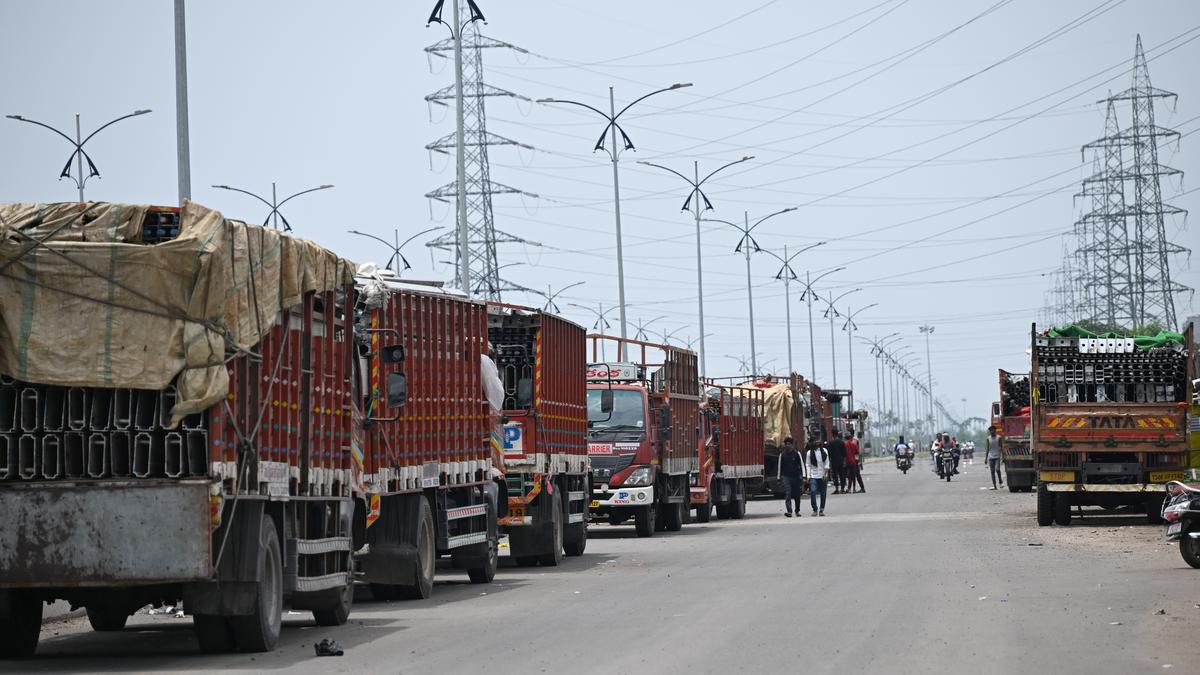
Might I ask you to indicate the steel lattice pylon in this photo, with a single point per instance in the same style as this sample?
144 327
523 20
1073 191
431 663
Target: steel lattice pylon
482 234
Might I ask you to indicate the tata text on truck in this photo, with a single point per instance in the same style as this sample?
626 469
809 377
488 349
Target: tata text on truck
541 363
428 428
1108 421
1011 419
176 410
643 432
731 451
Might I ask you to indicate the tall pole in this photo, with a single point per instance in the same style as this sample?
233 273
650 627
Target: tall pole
878 401
832 347
812 351
274 207
464 245
750 297
787 299
182 148
612 111
928 330
699 271
79 156
850 353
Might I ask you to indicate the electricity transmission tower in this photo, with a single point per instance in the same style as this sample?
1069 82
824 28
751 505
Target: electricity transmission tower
1119 273
478 187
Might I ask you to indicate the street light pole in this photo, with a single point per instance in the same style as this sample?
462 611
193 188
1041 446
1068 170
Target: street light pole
693 200
808 296
788 275
748 246
79 153
183 155
614 153
850 327
397 256
274 216
832 312
927 329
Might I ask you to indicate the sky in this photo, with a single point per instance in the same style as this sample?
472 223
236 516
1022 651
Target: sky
935 147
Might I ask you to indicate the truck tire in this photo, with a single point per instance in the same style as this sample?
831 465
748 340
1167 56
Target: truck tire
704 511
484 573
20 631
673 516
1062 508
554 556
644 520
106 618
214 633
737 505
422 586
337 614
575 539
1190 548
1045 506
259 630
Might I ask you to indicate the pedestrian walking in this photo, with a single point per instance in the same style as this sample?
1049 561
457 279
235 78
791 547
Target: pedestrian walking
818 476
837 463
791 471
854 464
993 456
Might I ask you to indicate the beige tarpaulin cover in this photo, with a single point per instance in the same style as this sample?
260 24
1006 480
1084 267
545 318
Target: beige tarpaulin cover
777 423
94 307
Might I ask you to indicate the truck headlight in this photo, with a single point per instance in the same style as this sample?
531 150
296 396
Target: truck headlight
640 476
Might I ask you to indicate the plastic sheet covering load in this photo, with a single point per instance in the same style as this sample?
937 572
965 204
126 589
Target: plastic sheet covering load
85 302
1143 342
777 418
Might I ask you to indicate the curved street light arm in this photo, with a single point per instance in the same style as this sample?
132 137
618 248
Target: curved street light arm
850 319
643 98
432 229
302 192
769 216
44 126
246 192
714 172
102 128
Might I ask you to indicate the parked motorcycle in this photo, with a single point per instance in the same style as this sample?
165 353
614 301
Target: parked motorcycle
1181 510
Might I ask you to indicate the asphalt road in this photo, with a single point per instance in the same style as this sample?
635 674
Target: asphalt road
915 576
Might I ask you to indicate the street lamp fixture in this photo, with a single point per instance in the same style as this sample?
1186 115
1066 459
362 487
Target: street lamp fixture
78 155
274 216
788 275
397 258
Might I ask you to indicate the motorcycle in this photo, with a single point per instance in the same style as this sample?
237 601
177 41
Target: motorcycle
1181 510
945 464
904 463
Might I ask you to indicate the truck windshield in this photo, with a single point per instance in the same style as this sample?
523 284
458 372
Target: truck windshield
627 413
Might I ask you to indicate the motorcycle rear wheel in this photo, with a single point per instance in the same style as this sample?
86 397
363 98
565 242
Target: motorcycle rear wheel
1189 548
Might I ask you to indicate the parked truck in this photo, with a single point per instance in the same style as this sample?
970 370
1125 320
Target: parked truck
643 432
783 417
731 451
1011 417
1109 419
542 365
431 473
177 393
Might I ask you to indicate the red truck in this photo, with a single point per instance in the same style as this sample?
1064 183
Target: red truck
784 415
1011 418
643 432
427 431
188 437
731 451
1108 421
541 363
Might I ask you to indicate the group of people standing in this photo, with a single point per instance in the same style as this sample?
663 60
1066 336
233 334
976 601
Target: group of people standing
838 461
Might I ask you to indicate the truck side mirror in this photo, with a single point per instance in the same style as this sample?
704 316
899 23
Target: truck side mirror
397 390
393 354
606 401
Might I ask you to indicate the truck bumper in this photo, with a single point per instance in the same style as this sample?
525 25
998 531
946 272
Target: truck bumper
1100 487
621 498
55 535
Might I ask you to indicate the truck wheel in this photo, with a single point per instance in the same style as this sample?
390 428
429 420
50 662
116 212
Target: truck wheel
575 539
644 521
337 615
704 511
422 586
214 633
1045 506
673 517
491 560
1013 488
1154 506
737 506
1190 549
1062 508
555 555
259 631
20 631
106 618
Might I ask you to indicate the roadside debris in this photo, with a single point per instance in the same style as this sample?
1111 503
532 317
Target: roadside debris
328 647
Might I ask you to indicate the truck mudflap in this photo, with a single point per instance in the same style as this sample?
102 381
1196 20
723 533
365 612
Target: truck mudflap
64 534
1101 487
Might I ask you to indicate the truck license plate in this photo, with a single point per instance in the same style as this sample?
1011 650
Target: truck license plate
1164 476
1057 476
516 511
1174 529
595 504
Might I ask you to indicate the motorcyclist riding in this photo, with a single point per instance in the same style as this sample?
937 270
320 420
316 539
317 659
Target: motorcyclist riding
901 449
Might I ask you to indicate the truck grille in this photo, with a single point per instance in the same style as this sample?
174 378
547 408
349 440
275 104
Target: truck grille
603 468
